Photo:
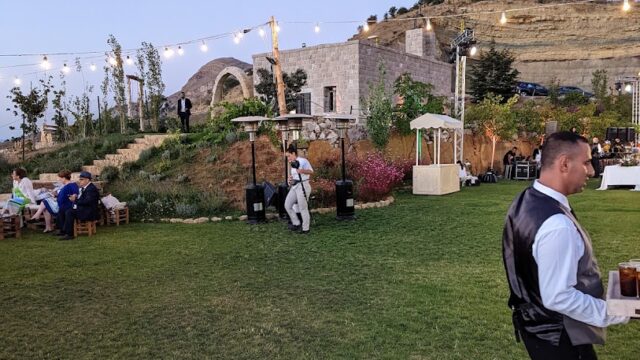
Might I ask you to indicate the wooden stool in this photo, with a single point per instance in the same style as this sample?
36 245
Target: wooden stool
11 226
84 227
119 216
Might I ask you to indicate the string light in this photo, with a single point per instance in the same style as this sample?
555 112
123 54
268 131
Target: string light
473 51
626 6
277 27
112 61
240 34
503 18
17 81
261 32
168 52
180 51
129 60
317 28
204 47
236 39
65 69
627 88
429 27
45 63
365 27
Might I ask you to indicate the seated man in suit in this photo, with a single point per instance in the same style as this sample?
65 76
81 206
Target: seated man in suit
85 205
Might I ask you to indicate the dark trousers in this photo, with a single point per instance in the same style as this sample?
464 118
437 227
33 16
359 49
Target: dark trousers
184 122
69 218
595 162
60 219
544 350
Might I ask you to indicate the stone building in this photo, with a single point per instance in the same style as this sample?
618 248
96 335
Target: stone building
339 75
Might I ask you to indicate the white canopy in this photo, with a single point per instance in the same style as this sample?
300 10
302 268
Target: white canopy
427 121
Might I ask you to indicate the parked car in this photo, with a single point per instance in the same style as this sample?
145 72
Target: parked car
531 89
564 90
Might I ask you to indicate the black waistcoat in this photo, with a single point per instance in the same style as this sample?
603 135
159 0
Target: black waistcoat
525 217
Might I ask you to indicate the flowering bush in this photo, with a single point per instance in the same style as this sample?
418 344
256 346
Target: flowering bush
376 177
324 192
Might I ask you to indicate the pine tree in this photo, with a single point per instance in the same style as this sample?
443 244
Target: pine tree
494 73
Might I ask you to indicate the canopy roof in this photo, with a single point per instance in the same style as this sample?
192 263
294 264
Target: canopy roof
427 121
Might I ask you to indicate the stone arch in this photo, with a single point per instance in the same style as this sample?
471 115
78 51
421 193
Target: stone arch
246 82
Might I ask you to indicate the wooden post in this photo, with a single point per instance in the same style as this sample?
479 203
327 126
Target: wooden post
141 104
282 105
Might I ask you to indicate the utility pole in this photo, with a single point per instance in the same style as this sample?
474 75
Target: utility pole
282 105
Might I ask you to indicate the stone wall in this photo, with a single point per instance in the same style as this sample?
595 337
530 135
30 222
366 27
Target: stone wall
325 65
427 70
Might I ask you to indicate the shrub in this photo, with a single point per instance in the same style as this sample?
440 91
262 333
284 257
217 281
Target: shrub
109 173
324 192
377 177
186 210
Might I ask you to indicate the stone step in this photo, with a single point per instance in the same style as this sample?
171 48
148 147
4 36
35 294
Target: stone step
94 170
54 177
141 141
119 158
138 146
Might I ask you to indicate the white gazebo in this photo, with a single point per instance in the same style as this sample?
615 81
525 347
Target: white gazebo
437 178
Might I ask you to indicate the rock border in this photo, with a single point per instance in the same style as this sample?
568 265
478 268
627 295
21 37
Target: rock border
270 216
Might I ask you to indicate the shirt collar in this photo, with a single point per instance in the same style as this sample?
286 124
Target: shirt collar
552 193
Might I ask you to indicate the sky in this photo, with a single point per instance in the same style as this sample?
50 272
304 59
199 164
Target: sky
46 27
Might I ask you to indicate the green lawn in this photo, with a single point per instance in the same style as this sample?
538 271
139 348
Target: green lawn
422 279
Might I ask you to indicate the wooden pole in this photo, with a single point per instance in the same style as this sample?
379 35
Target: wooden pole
282 105
141 104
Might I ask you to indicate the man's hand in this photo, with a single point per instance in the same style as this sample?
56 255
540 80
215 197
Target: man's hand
73 197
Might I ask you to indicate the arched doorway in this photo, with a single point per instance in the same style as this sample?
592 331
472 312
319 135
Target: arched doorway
246 83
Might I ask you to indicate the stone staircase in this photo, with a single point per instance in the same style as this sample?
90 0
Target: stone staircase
129 154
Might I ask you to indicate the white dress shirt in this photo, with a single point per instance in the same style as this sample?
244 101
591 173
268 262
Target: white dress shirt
557 248
305 165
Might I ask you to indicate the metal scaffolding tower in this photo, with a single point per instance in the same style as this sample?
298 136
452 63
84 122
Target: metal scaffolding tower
461 45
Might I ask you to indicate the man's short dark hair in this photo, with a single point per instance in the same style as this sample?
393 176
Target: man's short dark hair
559 143
292 149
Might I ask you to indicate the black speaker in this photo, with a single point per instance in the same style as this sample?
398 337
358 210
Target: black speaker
283 189
255 204
345 203
612 133
630 134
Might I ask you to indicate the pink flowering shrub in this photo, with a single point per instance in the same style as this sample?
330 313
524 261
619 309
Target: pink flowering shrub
375 177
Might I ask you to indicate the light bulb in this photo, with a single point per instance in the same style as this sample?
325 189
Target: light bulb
17 81
93 67
261 32
180 51
168 52
429 27
129 60
473 51
204 47
113 61
317 28
65 69
627 88
45 63
365 28
626 6
236 39
503 18
277 28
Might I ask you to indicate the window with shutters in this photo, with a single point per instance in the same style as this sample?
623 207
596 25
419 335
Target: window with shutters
303 104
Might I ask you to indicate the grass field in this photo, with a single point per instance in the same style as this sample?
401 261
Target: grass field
421 279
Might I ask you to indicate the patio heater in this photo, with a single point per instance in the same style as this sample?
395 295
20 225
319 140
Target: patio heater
345 209
254 193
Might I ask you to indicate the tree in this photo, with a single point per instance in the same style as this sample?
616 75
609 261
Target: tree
81 112
379 110
293 84
392 11
117 82
59 116
494 118
401 11
417 99
494 74
599 85
372 19
30 107
149 57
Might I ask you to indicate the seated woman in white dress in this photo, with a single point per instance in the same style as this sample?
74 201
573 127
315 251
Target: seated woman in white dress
22 193
465 178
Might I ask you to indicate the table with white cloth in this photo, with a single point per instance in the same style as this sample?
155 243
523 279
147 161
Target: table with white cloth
620 175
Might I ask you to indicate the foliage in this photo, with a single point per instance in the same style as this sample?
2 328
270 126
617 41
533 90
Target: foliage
59 116
417 99
599 85
30 106
402 10
109 173
379 110
117 81
493 118
554 91
220 126
376 176
529 120
494 74
293 83
82 114
150 70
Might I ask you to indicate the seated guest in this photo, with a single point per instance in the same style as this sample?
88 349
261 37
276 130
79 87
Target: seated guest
634 148
465 178
618 147
58 206
85 205
22 193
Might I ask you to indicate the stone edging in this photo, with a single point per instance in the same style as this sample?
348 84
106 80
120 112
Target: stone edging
270 216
